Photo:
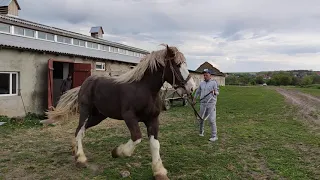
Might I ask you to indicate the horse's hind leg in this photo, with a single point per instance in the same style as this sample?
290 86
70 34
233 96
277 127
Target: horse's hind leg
93 119
80 157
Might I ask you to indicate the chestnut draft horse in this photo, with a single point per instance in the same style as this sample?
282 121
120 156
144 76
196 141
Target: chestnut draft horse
132 97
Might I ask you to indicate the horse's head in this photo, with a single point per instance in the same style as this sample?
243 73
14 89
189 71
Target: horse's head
176 71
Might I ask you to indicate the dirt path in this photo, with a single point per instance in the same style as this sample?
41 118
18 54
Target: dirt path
308 105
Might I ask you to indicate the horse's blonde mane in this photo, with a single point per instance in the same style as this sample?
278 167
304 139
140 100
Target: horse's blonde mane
150 61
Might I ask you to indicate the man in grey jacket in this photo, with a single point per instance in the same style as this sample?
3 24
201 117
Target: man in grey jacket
208 103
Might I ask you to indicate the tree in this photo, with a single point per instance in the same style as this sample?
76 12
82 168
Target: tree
259 80
307 80
282 79
271 82
232 80
252 82
285 79
295 81
316 79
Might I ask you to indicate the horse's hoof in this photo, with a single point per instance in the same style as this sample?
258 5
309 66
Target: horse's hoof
81 164
81 161
114 153
160 177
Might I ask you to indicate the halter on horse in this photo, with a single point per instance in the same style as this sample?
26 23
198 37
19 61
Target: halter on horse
132 97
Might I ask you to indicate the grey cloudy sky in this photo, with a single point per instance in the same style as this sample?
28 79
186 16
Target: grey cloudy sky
233 35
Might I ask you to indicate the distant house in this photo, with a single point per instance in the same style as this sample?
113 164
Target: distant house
266 76
216 74
10 7
197 75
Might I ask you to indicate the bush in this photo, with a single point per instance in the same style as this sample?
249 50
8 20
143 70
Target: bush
307 80
312 86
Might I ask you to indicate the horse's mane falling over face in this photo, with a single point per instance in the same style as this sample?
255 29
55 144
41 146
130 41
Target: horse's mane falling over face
151 61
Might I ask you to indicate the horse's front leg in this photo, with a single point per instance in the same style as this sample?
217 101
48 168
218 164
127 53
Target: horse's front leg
128 148
159 172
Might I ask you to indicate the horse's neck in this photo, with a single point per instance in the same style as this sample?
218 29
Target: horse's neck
153 81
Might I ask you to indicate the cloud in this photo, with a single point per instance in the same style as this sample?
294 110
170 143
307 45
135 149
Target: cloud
234 35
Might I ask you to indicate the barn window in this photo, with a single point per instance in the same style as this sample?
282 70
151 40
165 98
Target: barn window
89 44
64 39
100 66
76 42
46 36
104 48
122 51
94 45
82 43
9 83
67 40
115 50
42 35
130 53
50 37
18 31
29 32
24 31
60 39
4 28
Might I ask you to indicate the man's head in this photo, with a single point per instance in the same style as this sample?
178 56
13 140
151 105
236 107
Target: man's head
206 74
69 76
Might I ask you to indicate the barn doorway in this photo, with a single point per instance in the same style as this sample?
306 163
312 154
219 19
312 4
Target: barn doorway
58 71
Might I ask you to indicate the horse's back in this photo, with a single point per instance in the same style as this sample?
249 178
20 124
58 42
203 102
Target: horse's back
111 98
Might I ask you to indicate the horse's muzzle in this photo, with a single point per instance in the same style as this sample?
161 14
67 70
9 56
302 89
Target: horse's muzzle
187 88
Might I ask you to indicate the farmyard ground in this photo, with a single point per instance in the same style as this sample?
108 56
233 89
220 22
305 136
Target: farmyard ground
260 137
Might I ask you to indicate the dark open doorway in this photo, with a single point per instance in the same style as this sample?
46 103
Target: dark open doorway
58 71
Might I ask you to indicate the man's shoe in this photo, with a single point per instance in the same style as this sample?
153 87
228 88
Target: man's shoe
213 139
201 134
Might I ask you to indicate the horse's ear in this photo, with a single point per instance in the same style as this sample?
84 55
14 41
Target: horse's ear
170 52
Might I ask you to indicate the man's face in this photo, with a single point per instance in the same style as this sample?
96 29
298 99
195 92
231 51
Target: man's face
69 77
207 76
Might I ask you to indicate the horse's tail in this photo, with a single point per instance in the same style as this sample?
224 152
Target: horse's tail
67 105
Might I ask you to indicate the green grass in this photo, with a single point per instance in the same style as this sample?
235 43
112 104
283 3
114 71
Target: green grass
259 137
311 91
